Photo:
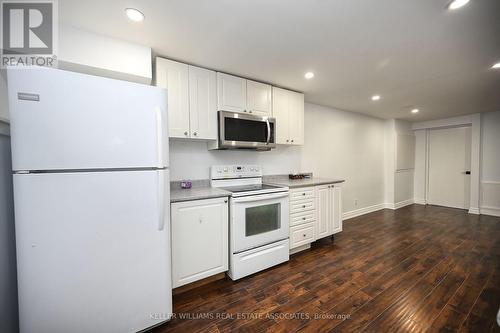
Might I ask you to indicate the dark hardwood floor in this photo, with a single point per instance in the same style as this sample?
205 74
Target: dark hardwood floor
416 269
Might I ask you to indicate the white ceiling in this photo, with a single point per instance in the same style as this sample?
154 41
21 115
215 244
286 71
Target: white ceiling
414 53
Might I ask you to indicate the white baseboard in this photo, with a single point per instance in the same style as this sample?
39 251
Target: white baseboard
400 204
420 201
474 210
488 210
362 211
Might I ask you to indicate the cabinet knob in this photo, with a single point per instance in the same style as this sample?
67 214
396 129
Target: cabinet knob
225 201
185 133
304 235
292 140
195 134
303 206
303 194
244 110
287 140
303 218
250 111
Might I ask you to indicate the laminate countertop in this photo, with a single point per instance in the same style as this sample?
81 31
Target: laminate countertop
296 183
198 192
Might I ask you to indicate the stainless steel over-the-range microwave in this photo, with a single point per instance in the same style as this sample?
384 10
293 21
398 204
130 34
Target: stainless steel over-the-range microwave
244 131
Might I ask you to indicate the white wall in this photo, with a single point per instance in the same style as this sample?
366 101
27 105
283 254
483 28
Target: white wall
91 53
8 278
4 101
346 145
192 159
398 178
419 181
490 168
338 144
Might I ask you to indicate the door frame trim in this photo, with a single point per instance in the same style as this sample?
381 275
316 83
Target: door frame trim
474 121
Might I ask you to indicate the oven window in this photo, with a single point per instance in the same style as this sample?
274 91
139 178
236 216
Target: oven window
261 219
236 129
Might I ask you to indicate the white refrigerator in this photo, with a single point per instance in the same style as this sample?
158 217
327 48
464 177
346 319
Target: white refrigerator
91 195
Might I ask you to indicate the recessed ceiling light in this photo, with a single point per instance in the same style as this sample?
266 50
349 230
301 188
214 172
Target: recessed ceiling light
455 4
134 14
496 66
375 97
415 111
309 75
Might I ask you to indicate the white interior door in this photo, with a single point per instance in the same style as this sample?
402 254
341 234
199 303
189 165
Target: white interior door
92 254
449 159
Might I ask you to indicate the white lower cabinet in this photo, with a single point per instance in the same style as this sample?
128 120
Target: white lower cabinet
329 210
315 212
199 239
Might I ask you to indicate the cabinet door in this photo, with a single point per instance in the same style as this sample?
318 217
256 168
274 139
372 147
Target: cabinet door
202 103
322 211
280 112
199 240
336 209
173 76
259 98
231 93
296 114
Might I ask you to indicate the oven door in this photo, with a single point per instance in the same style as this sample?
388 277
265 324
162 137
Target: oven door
237 130
258 220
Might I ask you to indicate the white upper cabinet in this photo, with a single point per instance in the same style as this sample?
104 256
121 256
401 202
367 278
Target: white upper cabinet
280 113
296 118
192 99
174 77
231 93
202 103
288 109
237 94
258 98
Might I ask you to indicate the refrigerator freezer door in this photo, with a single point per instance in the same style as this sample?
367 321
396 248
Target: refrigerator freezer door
64 120
91 254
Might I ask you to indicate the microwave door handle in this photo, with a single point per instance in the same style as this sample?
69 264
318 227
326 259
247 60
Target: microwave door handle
268 131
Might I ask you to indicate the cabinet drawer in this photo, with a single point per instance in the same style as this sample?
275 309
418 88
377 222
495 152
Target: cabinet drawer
301 235
301 218
302 193
302 206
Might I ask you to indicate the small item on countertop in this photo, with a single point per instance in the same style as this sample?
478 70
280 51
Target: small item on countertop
299 176
186 184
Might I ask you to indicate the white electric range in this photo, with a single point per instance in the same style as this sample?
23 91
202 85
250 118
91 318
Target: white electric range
259 219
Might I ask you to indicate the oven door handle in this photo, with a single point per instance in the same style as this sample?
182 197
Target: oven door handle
260 197
268 131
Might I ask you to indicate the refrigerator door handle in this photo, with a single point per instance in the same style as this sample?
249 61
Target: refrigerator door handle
159 136
161 200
